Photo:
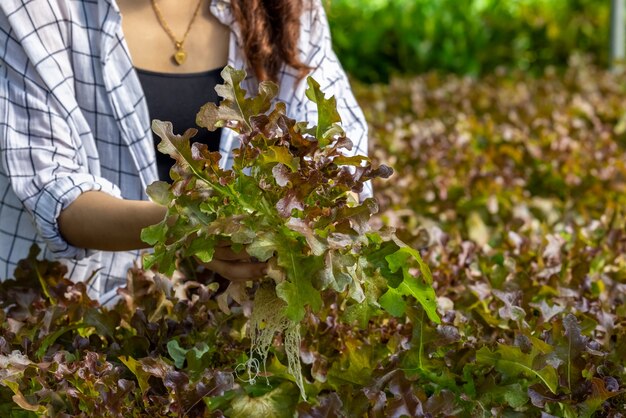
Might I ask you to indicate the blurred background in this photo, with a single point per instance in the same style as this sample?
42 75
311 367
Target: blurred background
378 38
505 124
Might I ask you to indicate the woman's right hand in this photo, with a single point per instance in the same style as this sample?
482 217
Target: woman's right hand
235 266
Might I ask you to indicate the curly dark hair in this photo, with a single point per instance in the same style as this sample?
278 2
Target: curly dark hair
270 30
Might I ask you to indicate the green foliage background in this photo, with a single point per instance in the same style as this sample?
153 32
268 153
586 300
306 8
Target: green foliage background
378 38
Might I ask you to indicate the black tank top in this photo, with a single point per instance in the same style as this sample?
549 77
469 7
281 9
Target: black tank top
177 98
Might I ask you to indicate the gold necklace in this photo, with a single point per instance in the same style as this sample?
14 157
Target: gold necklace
180 55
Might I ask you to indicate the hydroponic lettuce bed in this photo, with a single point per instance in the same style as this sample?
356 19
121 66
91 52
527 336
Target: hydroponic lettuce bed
513 190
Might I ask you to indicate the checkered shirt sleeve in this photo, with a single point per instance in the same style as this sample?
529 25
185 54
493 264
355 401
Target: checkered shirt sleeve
72 120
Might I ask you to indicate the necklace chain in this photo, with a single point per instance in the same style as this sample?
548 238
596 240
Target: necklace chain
180 55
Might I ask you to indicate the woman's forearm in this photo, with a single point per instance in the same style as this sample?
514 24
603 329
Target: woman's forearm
96 220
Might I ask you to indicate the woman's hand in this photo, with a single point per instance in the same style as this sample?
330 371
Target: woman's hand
236 267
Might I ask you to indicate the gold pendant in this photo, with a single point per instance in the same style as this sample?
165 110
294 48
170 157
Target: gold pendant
180 56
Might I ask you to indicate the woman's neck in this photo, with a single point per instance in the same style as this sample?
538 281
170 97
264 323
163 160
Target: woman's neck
151 48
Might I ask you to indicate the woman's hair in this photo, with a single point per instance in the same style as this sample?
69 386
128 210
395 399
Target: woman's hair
270 30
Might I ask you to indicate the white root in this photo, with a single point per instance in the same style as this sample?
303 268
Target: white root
266 321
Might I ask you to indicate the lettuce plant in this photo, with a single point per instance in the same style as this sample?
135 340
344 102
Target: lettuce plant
288 200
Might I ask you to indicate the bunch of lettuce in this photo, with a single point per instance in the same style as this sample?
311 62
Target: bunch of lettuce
288 200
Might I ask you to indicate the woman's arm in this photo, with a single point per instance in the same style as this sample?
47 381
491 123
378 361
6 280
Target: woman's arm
99 221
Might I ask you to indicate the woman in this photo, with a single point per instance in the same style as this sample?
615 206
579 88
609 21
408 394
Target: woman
77 150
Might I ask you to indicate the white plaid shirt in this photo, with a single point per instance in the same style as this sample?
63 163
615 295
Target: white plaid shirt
73 118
